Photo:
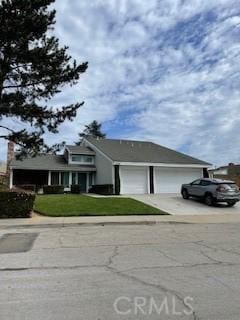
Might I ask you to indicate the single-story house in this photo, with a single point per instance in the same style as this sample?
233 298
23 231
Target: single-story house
132 167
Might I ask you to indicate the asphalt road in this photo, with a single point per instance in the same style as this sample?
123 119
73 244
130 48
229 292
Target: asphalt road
165 271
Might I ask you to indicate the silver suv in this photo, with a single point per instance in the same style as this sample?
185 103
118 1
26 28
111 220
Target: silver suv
212 191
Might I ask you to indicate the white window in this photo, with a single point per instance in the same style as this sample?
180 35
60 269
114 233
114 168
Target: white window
82 158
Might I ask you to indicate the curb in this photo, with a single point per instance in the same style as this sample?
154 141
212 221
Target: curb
120 220
89 224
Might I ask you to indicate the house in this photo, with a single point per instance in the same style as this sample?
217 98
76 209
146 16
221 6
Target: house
227 172
131 166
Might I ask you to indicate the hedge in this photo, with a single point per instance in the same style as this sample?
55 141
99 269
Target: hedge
53 189
75 188
105 189
16 205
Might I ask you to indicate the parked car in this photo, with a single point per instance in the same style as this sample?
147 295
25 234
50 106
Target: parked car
212 191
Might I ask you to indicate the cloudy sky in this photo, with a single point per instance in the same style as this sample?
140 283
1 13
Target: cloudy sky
160 70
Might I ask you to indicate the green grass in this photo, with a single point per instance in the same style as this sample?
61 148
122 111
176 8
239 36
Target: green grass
80 205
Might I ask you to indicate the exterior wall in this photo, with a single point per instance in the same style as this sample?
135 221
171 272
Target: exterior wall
220 172
105 168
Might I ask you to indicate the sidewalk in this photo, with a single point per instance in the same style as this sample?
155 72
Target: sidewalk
41 221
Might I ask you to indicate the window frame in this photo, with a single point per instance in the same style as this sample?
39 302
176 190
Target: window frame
82 158
196 184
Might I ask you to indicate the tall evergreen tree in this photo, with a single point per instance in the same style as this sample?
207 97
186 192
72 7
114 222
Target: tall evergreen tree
93 129
33 68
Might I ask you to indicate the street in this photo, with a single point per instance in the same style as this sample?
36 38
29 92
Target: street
163 271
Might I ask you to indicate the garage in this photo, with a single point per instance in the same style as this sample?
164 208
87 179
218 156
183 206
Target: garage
133 179
169 180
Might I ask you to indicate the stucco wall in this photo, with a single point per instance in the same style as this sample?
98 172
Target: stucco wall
104 174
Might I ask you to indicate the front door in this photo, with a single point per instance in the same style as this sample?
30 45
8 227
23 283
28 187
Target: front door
82 181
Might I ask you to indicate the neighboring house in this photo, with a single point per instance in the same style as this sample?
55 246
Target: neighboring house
131 166
228 172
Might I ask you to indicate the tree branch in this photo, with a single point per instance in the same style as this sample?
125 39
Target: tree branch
6 129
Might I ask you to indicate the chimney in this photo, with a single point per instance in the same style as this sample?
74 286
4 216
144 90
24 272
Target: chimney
10 155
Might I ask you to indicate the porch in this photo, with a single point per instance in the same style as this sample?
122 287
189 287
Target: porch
39 178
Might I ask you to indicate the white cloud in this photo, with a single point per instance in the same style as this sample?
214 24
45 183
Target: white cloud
166 71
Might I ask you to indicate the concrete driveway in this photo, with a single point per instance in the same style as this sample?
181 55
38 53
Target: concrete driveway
174 204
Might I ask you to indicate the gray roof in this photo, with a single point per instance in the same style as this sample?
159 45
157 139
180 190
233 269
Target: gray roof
142 151
49 162
80 150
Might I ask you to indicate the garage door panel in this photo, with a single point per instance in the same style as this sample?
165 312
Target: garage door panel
134 180
169 180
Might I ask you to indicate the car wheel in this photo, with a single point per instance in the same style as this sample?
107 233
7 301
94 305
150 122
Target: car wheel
231 203
209 200
185 194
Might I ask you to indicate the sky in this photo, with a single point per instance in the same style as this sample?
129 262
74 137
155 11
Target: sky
166 71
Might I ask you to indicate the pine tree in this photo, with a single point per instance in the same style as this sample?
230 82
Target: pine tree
33 69
93 130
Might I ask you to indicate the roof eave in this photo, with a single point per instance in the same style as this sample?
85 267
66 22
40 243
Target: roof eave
160 164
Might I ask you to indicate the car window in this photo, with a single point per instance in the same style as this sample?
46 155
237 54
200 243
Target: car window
205 183
196 182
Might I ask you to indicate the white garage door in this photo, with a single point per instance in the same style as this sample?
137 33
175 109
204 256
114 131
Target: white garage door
133 180
169 180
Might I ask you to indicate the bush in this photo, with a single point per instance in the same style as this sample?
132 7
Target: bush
16 205
54 189
105 189
75 188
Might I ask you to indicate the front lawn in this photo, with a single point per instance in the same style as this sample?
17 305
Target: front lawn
80 205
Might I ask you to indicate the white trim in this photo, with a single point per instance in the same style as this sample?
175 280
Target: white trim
60 169
49 177
70 178
70 161
87 181
148 180
171 165
11 179
93 146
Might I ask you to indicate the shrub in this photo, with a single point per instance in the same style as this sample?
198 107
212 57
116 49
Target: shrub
105 189
75 188
16 205
54 189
